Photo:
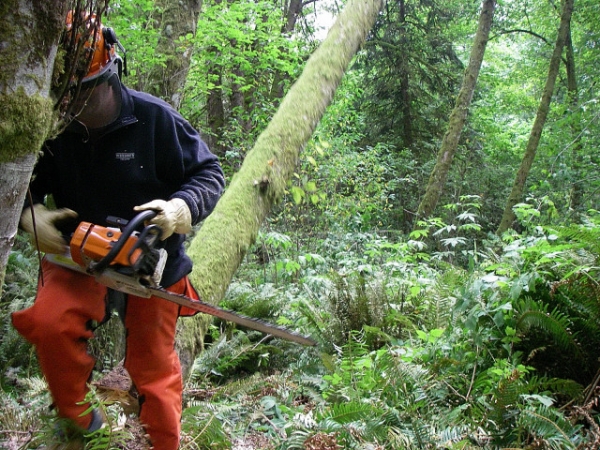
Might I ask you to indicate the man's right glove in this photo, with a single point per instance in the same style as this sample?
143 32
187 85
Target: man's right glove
173 216
49 239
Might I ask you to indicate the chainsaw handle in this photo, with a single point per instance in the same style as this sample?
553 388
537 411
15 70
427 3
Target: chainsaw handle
126 232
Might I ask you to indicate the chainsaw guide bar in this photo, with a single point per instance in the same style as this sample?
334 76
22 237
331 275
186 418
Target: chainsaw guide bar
112 279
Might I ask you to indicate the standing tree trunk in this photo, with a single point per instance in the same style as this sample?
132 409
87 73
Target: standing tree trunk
291 13
28 46
226 235
508 216
459 114
215 108
403 70
179 18
576 194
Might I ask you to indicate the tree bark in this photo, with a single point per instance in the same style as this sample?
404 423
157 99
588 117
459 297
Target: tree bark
216 114
292 11
28 46
516 194
403 71
458 116
576 194
226 235
215 108
179 18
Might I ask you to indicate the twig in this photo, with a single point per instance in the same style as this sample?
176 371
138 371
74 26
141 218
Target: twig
473 375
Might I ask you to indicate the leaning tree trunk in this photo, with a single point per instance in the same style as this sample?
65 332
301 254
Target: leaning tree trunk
508 216
28 45
459 114
227 234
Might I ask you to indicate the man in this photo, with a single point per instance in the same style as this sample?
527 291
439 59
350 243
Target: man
124 152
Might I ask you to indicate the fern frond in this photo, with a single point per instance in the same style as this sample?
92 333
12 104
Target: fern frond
242 386
206 432
296 440
583 237
555 323
443 297
550 426
343 413
398 438
423 434
452 434
568 388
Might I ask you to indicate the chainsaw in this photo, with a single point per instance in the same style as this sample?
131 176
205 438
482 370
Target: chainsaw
127 260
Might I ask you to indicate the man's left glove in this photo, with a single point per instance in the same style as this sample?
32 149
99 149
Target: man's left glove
41 224
173 216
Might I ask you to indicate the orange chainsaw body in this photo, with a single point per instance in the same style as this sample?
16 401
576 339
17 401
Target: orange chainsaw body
93 242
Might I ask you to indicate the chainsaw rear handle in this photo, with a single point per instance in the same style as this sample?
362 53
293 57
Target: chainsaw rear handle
126 232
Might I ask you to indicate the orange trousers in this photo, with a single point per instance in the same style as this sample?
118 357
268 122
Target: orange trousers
58 324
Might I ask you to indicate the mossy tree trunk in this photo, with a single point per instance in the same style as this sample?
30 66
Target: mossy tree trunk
458 116
516 194
226 235
179 18
28 46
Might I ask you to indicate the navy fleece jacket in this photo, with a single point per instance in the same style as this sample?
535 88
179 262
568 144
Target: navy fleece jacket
149 152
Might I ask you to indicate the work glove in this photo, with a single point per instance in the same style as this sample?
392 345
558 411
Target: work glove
49 239
172 216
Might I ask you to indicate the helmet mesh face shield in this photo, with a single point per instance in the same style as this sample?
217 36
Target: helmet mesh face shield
88 57
98 60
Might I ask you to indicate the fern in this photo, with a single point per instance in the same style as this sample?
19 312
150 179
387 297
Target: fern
586 236
353 422
452 434
228 356
567 388
202 431
296 440
443 297
344 413
555 323
549 428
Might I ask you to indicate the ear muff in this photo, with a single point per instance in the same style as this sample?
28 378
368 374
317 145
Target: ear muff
110 40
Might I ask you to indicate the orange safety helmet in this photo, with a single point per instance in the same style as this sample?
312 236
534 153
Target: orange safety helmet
104 61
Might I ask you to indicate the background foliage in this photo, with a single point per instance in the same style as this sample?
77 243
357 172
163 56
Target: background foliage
444 337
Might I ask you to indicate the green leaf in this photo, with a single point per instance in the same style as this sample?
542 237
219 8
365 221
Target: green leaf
297 194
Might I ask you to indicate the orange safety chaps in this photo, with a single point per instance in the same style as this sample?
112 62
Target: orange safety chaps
59 324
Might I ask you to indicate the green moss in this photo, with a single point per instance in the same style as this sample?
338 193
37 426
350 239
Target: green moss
37 33
24 124
9 53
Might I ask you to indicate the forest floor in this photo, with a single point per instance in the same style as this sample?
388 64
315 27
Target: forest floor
115 388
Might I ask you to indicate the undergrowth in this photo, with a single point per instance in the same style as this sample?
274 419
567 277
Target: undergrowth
486 346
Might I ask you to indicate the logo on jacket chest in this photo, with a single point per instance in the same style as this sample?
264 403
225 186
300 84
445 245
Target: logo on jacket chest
125 156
